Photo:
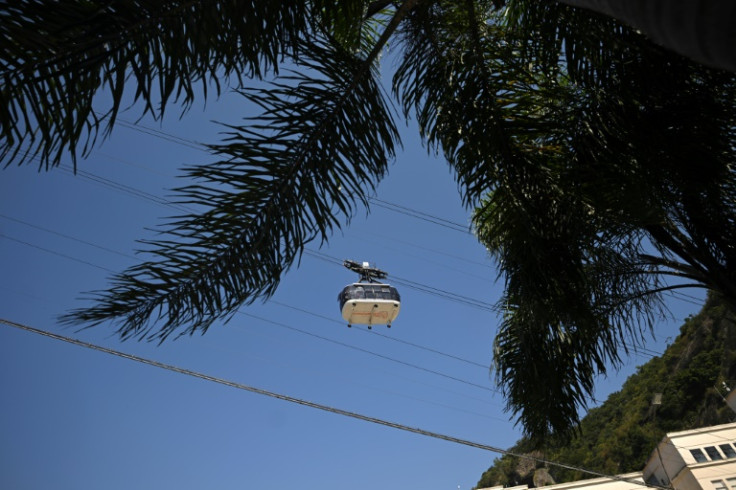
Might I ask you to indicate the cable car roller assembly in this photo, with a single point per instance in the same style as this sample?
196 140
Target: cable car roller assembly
368 301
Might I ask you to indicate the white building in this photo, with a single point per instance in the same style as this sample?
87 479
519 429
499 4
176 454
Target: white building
630 481
695 459
699 459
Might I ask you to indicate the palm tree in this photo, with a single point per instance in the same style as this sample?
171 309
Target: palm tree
545 112
594 196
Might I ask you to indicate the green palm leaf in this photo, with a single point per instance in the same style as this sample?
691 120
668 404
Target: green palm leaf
56 57
287 177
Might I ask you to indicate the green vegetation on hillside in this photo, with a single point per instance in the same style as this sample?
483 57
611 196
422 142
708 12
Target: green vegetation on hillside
618 436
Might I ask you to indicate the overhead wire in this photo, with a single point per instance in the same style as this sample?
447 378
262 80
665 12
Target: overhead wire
449 295
324 256
125 188
636 349
135 126
385 204
65 235
687 298
318 406
304 332
85 242
376 201
397 208
387 337
157 133
137 193
366 351
59 254
420 215
292 328
289 327
393 239
350 379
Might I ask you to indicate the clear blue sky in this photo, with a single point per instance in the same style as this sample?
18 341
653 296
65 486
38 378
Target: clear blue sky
73 418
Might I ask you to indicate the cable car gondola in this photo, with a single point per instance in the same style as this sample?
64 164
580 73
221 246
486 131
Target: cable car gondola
368 302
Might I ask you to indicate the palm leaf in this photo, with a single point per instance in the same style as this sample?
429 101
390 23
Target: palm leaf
575 297
57 57
286 178
563 134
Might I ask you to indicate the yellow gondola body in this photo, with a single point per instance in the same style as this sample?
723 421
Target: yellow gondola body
369 303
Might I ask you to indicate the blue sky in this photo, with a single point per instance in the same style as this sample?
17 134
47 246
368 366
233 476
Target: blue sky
73 418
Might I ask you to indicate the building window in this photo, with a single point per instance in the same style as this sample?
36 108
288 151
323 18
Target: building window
719 485
728 450
713 453
698 455
731 482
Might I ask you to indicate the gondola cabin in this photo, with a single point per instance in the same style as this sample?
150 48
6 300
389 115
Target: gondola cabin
368 302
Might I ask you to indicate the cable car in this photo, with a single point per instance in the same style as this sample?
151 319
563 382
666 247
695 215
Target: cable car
368 302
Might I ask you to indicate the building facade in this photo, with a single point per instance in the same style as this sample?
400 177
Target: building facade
695 459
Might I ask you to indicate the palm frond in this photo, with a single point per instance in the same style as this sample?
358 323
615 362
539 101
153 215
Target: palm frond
287 177
56 57
475 99
588 48
355 24
575 296
608 175
571 137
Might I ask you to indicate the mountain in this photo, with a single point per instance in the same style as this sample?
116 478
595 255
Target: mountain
619 435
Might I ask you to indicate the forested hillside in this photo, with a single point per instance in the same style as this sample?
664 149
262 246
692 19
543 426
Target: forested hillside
618 436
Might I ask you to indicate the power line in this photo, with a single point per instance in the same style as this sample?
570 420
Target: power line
63 235
125 188
397 208
282 325
85 242
442 293
315 335
157 133
405 282
636 349
687 298
2 235
382 239
343 344
366 351
289 327
317 406
420 215
350 380
387 337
